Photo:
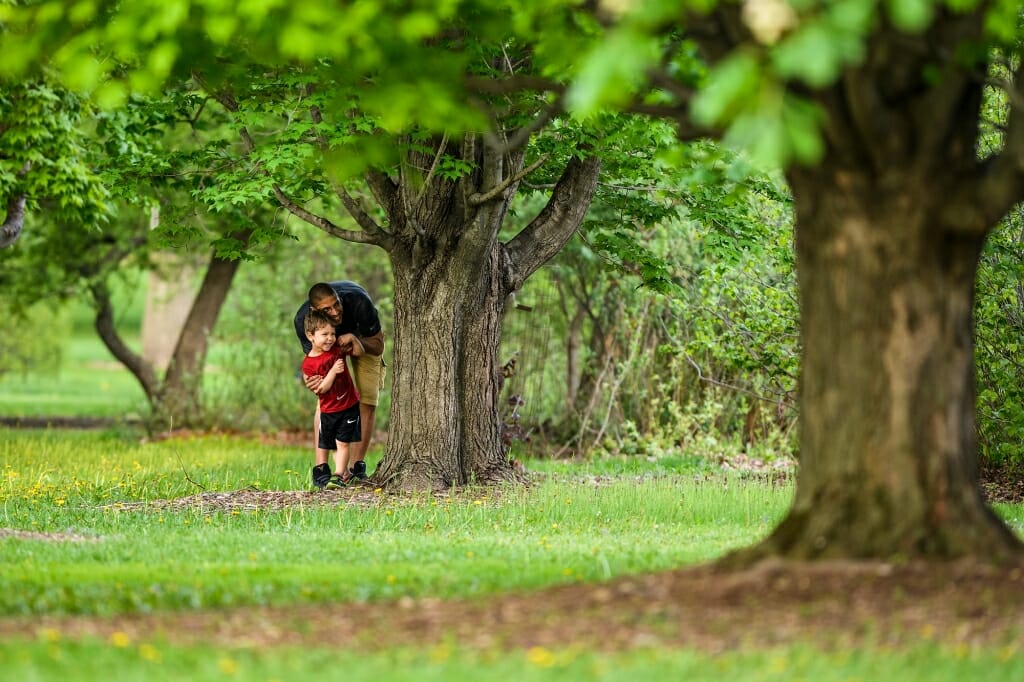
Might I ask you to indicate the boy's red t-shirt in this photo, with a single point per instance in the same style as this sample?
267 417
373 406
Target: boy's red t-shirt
342 394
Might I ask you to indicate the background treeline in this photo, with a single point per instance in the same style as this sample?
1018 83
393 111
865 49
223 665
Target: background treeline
669 323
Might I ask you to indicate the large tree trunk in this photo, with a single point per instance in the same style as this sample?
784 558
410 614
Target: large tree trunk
484 453
445 428
888 459
890 225
452 280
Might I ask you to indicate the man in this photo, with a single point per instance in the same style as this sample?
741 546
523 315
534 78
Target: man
355 320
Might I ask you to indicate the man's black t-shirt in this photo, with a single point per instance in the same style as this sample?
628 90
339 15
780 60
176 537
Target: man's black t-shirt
358 316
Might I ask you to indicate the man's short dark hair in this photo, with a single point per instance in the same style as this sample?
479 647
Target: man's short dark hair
320 291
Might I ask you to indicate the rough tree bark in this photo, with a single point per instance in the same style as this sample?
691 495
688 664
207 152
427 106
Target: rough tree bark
889 233
14 221
452 279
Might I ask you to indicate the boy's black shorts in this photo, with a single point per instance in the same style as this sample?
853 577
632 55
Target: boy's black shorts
341 426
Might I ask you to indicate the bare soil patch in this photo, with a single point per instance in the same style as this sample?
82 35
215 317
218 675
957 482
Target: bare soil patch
832 604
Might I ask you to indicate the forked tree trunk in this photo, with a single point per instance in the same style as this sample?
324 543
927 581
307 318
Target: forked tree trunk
888 459
174 399
484 453
178 400
444 426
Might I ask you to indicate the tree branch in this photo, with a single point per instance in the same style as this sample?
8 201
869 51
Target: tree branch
372 236
477 199
323 223
522 136
546 234
140 369
513 84
430 173
351 205
384 190
14 222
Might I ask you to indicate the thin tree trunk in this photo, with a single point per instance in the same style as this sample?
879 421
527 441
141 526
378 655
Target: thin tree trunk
104 323
573 357
179 398
14 221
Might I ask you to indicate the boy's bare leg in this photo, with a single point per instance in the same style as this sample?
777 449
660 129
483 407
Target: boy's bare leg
316 426
341 460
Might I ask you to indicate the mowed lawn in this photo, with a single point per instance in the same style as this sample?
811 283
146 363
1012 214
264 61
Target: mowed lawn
98 553
564 528
88 382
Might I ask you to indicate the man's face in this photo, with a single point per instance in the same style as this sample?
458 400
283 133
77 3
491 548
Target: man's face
331 308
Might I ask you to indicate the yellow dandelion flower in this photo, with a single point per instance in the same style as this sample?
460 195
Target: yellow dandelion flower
228 666
440 653
540 657
148 652
120 639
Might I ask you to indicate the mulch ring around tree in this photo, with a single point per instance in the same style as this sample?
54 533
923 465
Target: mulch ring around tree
358 493
1002 483
831 604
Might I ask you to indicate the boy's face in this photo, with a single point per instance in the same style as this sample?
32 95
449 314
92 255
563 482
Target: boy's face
322 339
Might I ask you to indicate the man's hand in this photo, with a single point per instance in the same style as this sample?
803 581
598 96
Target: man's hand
312 382
346 342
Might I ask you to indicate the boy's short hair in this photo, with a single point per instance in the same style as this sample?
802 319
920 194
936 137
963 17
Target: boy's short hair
316 320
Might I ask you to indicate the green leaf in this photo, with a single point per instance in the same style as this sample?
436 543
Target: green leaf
111 94
911 15
730 87
417 25
611 72
802 121
812 54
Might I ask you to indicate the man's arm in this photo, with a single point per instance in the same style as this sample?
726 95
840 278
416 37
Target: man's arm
312 382
362 345
373 345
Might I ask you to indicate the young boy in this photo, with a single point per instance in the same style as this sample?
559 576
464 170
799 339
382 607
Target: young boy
339 402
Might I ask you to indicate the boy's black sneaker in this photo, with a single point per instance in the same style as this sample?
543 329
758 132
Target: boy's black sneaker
359 470
321 475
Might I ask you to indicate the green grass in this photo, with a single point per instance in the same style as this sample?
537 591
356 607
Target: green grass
558 531
585 522
88 383
50 658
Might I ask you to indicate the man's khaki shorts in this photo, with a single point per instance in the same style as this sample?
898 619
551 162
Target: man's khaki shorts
368 374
